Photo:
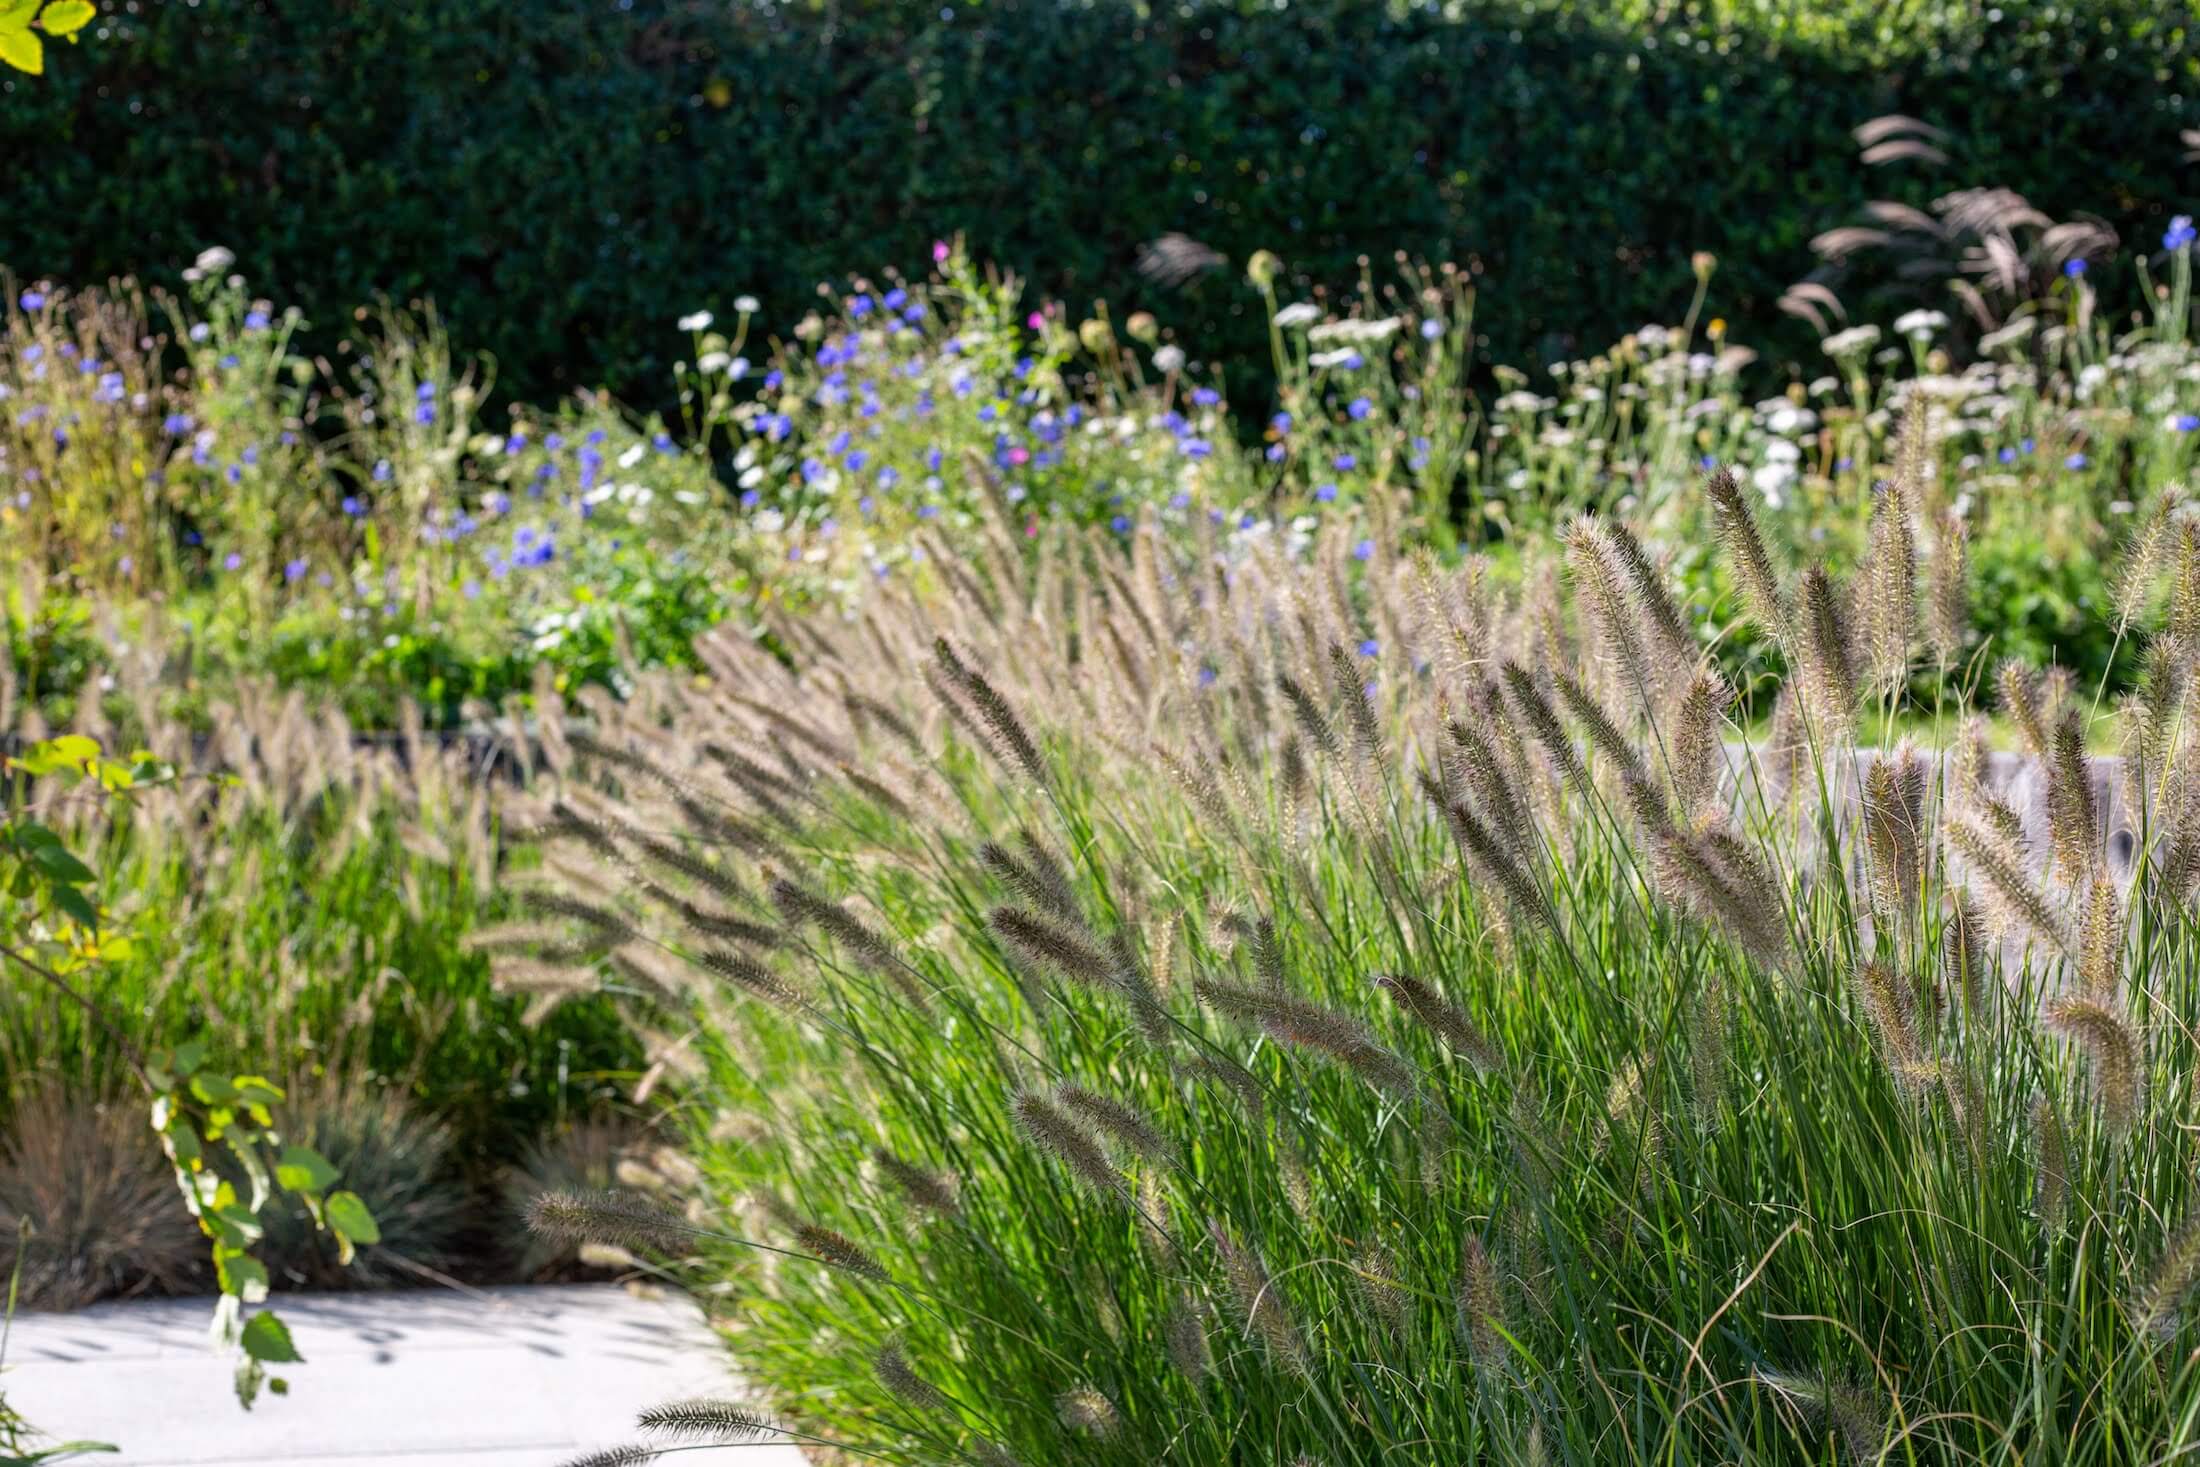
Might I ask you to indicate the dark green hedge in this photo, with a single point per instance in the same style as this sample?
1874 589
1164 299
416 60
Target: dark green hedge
564 177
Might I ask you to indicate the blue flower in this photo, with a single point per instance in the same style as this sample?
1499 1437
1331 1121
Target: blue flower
1431 329
1365 550
2186 423
1196 448
1277 453
859 306
2180 233
1207 676
2075 461
255 319
353 507
1247 520
382 471
175 425
914 314
32 300
1280 423
1370 647
1344 463
232 561
1360 408
1121 524
932 459
2008 455
2026 445
2075 268
200 331
425 392
1326 493
295 571
774 379
1205 396
888 477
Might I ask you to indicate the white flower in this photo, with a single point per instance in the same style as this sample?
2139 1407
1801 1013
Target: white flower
1169 359
1519 401
1919 325
1298 313
696 321
1339 357
751 476
1354 330
214 261
738 368
746 305
1788 418
1780 451
632 456
1653 338
711 361
1856 340
1772 481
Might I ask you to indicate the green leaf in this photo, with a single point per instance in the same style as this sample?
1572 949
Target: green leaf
267 1338
67 17
70 751
74 903
241 1274
350 1219
57 863
189 1056
213 1089
302 1169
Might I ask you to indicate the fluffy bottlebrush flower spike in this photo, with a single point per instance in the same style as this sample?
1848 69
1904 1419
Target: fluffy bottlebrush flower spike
1890 590
2113 1057
2016 904
1948 598
1046 1127
1007 729
1446 1019
626 1456
1494 787
1669 630
892 1370
1186 1336
2101 940
2051 1158
754 979
1698 747
1479 1304
715 1423
838 1250
1350 682
1296 1021
1026 882
620 1219
1829 672
1385 1302
1612 745
1309 716
805 908
1746 554
929 1191
1482 849
1259 1302
1708 1049
1855 1416
1051 945
1085 1410
2073 815
1890 1003
1129 1127
1718 881
1963 954
1535 711
2159 1308
1603 597
2018 690
1894 820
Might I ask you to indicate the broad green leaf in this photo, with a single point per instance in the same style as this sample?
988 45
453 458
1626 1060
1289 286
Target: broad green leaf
349 1217
257 1090
71 901
241 1274
302 1169
268 1338
70 751
213 1089
24 52
189 1056
234 1225
67 17
56 862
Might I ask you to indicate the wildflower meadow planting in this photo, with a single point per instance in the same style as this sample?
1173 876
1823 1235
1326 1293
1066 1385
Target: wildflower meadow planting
1292 865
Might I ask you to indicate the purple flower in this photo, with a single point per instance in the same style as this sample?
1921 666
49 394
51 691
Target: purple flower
1344 463
1326 493
1370 647
1196 448
859 306
295 571
353 507
232 561
1280 424
2180 233
894 299
1207 676
175 425
2074 268
1360 408
2075 461
255 319
32 300
1277 453
1205 396
1365 550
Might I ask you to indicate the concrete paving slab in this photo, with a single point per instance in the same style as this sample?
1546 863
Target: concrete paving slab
505 1377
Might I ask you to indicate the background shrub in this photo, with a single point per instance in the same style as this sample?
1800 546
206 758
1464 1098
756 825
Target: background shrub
549 172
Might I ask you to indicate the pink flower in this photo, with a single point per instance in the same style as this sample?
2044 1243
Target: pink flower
1035 321
1019 456
1031 529
939 251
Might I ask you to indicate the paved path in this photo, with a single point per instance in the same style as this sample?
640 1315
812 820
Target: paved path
508 1377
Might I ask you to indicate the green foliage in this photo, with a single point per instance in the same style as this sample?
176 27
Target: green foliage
544 170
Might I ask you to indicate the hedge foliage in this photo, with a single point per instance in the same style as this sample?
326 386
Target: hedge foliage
564 179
